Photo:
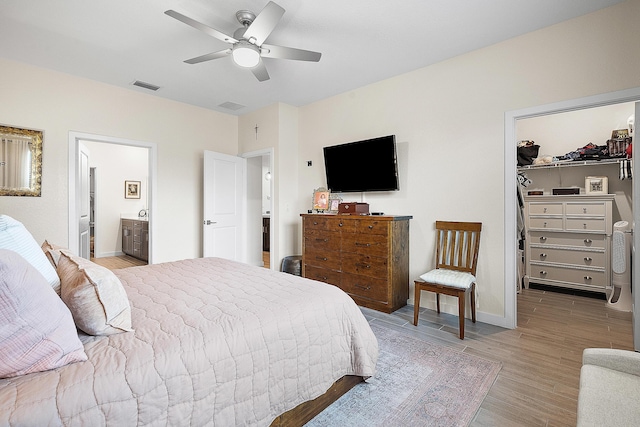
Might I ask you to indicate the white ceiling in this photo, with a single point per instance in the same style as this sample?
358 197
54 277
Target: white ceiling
361 41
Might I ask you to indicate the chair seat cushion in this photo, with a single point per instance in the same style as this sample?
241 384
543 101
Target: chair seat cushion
456 279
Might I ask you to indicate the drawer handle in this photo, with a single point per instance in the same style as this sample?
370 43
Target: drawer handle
545 224
584 210
371 227
543 255
588 259
315 223
321 258
363 265
321 240
545 210
588 278
584 226
543 273
363 244
366 288
321 277
588 241
340 225
543 238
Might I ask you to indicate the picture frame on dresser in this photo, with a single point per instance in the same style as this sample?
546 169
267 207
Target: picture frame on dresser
321 199
334 204
596 185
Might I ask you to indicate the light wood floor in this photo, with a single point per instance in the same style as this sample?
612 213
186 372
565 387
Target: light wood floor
117 262
541 359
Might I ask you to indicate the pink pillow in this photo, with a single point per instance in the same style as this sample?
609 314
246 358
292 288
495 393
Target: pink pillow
37 332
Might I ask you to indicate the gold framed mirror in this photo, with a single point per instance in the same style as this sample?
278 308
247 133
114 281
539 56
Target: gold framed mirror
20 162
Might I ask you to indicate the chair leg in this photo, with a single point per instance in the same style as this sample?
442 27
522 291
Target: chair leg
416 305
473 302
438 302
461 304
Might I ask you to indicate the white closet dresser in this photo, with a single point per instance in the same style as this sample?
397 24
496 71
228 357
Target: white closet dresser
568 241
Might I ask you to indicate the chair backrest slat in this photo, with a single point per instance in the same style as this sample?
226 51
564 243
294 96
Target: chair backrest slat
457 245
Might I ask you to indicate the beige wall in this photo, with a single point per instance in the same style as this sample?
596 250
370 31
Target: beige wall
449 122
448 119
58 103
278 129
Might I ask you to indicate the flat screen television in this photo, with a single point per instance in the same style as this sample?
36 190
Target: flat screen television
368 165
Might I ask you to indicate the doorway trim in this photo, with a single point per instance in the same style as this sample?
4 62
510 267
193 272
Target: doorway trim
274 211
74 141
510 172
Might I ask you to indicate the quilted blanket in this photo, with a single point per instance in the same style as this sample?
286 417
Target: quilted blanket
215 342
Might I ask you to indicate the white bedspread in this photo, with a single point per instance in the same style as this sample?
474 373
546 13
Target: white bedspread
215 343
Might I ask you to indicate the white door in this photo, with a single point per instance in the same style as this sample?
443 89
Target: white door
82 196
224 206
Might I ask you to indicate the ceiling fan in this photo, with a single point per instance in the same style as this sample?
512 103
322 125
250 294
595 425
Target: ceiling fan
248 45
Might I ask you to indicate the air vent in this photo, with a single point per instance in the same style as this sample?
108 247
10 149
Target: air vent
145 85
231 106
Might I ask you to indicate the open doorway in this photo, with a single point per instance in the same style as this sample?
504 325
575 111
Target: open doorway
511 237
260 208
144 183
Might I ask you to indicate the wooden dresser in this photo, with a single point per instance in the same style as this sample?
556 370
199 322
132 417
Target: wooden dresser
365 256
135 238
568 241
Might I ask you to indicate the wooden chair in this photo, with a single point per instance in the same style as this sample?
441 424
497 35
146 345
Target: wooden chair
457 245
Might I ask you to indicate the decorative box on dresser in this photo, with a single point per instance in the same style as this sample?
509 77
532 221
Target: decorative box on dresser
365 256
568 241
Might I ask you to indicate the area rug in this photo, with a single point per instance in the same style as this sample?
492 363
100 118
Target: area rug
417 384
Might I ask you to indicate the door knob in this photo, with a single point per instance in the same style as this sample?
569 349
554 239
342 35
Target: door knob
209 222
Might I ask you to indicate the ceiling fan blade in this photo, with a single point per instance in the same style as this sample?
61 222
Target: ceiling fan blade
264 23
260 71
198 26
281 52
209 56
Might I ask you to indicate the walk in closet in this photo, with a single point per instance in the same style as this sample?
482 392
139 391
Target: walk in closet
566 239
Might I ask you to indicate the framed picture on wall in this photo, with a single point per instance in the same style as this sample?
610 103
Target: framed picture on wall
132 189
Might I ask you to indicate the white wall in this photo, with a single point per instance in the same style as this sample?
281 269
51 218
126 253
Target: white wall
114 165
558 134
449 122
58 103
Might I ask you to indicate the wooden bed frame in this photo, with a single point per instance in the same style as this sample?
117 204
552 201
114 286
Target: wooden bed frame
305 411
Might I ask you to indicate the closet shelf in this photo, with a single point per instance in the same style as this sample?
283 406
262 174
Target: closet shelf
571 163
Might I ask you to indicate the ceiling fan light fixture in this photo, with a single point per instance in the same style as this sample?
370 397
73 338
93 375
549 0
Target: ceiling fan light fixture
246 54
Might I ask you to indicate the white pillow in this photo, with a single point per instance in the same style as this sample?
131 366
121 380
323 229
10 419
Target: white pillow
36 329
15 237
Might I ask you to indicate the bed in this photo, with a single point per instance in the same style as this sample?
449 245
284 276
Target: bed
214 342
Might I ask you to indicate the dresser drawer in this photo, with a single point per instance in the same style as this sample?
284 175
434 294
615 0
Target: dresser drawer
322 275
586 224
321 240
584 208
366 244
372 226
545 223
567 256
330 260
365 287
568 239
365 265
541 208
560 274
